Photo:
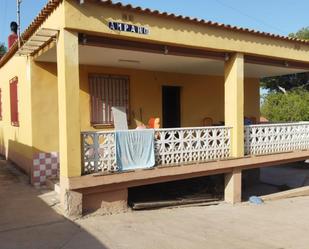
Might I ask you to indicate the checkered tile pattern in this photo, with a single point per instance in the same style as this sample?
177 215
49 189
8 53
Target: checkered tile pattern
44 165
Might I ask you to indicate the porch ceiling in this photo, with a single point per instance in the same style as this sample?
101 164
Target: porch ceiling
102 56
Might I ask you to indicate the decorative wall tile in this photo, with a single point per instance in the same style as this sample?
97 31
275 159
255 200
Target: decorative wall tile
44 165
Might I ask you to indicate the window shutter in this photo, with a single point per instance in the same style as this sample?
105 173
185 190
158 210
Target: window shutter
14 102
107 91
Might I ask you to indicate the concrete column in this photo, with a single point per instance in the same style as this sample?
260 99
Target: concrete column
232 191
234 102
69 113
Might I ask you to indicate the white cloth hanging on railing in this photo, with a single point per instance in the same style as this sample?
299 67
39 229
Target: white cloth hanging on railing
135 149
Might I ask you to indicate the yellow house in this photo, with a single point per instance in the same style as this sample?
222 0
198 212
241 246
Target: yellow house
78 59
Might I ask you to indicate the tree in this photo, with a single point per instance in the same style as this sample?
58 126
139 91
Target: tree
293 81
285 107
286 82
301 34
2 49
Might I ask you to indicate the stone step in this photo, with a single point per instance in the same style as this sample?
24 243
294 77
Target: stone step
53 184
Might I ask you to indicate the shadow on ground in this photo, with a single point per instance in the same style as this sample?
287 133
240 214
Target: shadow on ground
278 178
28 222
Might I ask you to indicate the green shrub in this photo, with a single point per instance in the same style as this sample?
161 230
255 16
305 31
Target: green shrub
292 106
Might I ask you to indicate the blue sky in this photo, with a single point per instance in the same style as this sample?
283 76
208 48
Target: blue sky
275 16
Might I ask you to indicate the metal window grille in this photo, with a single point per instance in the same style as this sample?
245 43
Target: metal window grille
107 91
14 102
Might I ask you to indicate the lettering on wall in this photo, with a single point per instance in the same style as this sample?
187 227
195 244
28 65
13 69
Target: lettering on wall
125 27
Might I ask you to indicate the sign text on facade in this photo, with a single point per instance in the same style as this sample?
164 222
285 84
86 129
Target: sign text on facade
128 28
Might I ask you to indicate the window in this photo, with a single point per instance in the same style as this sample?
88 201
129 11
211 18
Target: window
107 91
14 102
0 104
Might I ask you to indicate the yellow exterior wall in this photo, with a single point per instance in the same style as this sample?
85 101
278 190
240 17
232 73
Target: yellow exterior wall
38 111
38 117
44 103
92 17
201 96
56 19
16 142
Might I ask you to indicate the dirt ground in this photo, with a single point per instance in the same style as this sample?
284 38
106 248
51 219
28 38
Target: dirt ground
29 220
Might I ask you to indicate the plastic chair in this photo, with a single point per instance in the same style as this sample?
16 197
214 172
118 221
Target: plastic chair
154 123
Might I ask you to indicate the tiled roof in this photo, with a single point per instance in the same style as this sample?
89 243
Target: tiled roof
53 4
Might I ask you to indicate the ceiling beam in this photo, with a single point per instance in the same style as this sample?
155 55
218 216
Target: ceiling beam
276 62
100 41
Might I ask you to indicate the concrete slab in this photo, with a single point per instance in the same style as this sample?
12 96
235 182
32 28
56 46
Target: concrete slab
303 191
20 203
28 222
273 225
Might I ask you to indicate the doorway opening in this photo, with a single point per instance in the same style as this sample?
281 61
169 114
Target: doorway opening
171 106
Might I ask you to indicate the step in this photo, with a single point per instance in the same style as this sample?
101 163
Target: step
53 184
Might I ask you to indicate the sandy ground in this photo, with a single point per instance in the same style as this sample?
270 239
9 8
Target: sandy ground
29 220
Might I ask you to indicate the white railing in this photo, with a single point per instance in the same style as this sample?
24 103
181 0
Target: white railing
274 138
98 152
172 146
188 145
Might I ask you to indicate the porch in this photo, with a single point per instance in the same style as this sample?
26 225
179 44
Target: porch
222 86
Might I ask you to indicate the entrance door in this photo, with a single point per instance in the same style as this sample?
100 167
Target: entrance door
171 106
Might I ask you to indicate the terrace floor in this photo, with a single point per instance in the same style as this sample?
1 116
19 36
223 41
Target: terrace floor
29 219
